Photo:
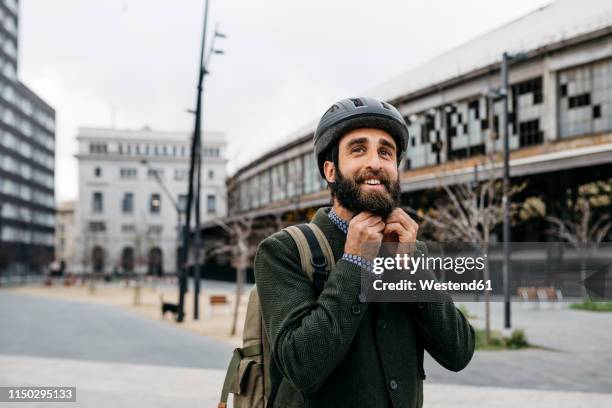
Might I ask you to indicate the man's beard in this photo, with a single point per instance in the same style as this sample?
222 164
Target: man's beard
350 196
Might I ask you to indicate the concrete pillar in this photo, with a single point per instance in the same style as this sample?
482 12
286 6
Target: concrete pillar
550 115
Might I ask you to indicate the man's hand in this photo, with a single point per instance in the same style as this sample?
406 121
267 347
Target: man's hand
365 227
400 228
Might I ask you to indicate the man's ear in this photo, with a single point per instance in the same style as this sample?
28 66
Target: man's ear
330 171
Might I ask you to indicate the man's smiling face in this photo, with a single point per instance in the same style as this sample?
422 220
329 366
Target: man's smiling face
368 177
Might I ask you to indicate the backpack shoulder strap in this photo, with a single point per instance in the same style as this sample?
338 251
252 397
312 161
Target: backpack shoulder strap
316 256
323 243
317 259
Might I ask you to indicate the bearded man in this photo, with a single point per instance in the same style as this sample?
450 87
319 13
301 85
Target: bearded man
337 350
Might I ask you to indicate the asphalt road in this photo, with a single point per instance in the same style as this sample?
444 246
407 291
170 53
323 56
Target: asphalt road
37 326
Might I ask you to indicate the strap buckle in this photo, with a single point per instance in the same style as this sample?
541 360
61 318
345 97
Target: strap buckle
318 265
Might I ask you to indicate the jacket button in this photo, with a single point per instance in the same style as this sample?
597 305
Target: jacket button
420 305
382 324
393 385
355 309
362 298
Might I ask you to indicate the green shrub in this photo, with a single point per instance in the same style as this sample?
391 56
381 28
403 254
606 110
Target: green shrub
591 306
517 340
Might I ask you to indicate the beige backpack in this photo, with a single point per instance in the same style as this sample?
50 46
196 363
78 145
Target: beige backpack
248 374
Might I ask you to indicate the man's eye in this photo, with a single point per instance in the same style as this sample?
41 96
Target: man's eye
385 152
358 149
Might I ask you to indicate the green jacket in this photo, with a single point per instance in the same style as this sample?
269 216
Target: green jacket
336 351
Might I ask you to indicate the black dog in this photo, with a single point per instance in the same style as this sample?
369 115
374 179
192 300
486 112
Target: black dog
168 307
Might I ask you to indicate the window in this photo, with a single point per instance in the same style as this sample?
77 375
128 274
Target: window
211 174
180 174
295 177
211 204
128 173
211 152
128 228
98 148
97 202
155 203
155 173
579 100
9 71
596 111
279 182
182 202
98 171
127 204
530 133
97 226
155 229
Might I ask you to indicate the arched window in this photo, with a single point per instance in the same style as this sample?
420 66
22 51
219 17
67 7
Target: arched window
97 259
156 264
127 259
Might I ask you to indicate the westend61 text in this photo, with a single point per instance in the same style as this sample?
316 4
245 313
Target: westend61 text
431 284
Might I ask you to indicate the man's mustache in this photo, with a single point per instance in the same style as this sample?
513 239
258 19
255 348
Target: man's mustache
377 174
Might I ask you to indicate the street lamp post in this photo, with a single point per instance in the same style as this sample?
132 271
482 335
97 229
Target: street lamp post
194 178
494 94
505 62
198 238
506 187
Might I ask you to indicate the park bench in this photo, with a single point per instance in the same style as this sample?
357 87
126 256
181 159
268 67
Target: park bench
540 294
217 300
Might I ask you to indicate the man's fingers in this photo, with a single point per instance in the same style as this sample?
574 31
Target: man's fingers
394 227
375 220
362 216
379 226
400 216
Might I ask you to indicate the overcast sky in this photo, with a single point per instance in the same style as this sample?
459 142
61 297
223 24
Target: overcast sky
285 62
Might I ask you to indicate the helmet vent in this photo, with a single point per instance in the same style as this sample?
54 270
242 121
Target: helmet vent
357 102
386 105
333 108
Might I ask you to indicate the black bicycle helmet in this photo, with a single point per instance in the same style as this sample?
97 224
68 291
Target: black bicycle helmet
354 113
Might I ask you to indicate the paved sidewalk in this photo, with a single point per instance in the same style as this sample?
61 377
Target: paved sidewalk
574 369
577 354
118 385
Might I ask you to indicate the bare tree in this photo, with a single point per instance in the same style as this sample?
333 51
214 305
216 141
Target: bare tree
583 229
240 251
469 213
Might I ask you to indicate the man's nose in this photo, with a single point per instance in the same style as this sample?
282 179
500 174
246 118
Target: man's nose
374 160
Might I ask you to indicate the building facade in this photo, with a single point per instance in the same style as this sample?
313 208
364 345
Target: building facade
130 182
560 119
65 251
27 162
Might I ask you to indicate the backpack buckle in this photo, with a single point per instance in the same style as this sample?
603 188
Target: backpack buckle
319 265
